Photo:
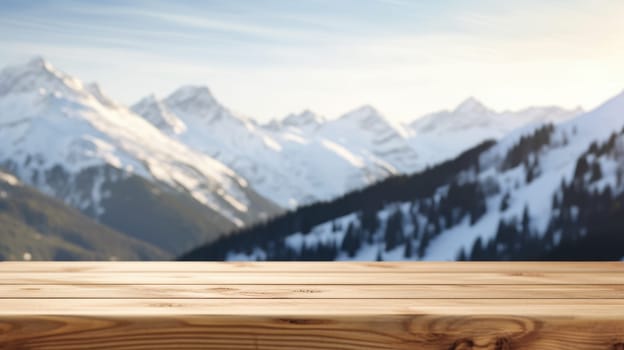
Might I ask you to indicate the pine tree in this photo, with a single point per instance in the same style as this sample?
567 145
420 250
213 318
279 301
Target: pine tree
351 242
379 256
394 230
556 202
335 226
424 242
526 222
565 139
593 148
581 168
462 255
505 202
407 253
596 173
477 250
478 206
369 220
415 226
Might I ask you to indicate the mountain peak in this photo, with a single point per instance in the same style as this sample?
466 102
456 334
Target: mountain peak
40 65
366 109
153 110
362 113
302 119
37 75
96 91
368 118
197 94
195 102
38 61
148 99
471 105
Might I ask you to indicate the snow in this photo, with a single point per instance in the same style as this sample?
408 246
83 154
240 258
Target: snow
191 142
299 160
556 162
54 118
9 179
445 134
305 157
356 162
305 122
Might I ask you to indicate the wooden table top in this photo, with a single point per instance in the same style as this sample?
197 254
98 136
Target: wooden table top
338 305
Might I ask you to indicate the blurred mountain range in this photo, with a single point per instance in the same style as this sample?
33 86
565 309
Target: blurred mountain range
166 175
543 191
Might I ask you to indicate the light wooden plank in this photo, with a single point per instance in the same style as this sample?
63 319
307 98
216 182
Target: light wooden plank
194 291
304 267
588 308
312 278
421 331
498 306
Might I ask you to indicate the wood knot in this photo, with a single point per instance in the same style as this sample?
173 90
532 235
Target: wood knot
503 343
618 346
462 344
302 322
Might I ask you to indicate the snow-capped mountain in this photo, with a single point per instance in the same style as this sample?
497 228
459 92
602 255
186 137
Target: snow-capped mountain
158 115
444 134
299 160
73 142
304 122
542 191
305 157
367 133
200 170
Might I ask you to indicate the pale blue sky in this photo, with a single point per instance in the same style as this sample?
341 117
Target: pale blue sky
268 58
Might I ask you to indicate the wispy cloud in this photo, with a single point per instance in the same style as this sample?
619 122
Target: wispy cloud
270 57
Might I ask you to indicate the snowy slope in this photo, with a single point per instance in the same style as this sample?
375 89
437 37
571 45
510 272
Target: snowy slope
556 162
444 134
524 195
291 163
306 121
368 134
53 128
305 157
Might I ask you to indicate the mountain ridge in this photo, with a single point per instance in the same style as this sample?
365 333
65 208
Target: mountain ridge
59 137
206 170
544 191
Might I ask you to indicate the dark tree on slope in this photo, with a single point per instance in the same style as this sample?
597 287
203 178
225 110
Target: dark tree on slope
596 173
369 219
477 250
394 235
419 187
424 242
462 255
586 225
528 146
526 222
505 202
407 253
352 240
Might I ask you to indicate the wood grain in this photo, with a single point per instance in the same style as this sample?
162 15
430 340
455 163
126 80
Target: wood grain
310 278
315 333
315 306
338 266
587 308
274 291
